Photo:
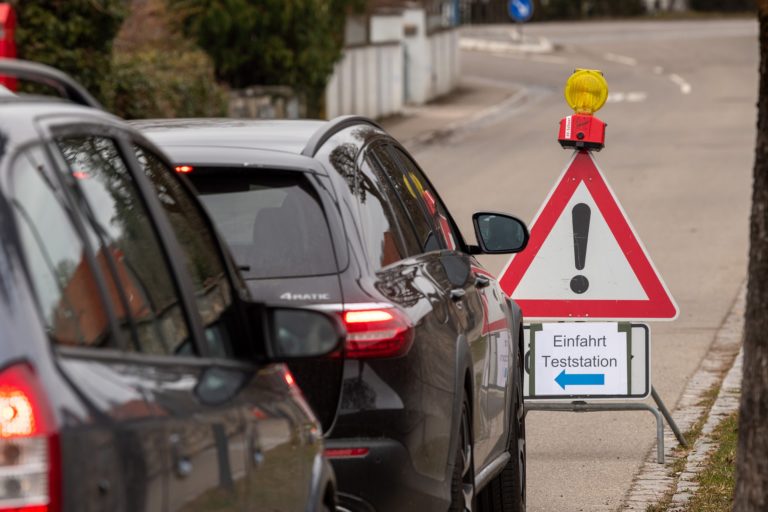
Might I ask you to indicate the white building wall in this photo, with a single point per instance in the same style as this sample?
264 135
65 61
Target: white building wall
386 28
403 64
367 81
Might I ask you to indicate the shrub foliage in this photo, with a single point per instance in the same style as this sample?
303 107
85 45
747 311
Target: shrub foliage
270 42
152 83
73 35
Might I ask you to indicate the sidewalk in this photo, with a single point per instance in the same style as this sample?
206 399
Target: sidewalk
472 101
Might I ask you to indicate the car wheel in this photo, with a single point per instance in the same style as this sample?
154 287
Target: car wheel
463 478
506 492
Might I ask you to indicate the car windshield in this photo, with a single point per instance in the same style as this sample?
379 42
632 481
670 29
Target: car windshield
273 222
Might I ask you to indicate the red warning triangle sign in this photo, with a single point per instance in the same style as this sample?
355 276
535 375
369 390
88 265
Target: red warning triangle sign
584 259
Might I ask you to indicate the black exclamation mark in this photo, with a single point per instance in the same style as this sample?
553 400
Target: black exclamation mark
580 215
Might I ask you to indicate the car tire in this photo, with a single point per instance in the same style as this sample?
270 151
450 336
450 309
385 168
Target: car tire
506 492
463 476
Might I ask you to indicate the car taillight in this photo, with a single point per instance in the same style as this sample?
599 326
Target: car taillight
345 453
29 445
377 333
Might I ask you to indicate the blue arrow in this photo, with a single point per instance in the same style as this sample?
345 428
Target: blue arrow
580 379
522 8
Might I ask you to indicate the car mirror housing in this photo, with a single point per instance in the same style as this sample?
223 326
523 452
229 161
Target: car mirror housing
498 233
296 333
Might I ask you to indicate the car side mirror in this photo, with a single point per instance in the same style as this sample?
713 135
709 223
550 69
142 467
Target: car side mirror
294 333
498 233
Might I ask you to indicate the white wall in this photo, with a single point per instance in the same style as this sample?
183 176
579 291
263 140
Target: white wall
445 63
666 5
386 28
368 81
402 65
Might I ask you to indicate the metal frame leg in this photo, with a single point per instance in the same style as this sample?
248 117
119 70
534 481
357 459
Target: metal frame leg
668 417
603 407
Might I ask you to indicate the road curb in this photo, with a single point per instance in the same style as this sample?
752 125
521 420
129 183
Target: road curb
538 45
657 482
727 403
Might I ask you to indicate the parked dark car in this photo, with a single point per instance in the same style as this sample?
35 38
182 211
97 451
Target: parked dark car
424 410
135 372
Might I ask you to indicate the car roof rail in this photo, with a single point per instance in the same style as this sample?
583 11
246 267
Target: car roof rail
52 77
331 128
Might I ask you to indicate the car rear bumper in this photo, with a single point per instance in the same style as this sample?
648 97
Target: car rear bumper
384 479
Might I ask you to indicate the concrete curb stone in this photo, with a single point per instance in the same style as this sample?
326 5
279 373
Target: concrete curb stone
656 481
727 402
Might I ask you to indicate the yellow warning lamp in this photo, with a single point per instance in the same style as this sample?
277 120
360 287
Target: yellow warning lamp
585 91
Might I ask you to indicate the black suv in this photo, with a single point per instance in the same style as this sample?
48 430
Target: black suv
424 410
135 373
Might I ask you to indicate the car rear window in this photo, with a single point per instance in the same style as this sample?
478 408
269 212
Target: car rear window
273 222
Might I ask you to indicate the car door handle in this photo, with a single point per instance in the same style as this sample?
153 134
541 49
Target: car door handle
457 294
481 281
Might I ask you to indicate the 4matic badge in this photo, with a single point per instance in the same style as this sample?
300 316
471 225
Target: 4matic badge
305 296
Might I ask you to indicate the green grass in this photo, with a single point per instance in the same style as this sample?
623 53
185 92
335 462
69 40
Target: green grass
716 481
681 454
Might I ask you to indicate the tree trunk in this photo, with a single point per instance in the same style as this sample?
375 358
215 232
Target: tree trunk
752 459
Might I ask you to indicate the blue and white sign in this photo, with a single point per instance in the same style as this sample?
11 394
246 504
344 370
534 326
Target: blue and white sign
520 10
587 360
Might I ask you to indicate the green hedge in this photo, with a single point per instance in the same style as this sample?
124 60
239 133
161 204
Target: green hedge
270 42
722 5
73 35
578 9
152 83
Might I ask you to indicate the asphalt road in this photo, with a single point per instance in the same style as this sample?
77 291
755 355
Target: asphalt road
679 156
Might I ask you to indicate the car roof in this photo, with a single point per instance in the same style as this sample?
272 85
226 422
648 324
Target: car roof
19 114
289 136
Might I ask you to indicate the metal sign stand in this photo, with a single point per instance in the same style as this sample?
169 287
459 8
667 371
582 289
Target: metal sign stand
659 412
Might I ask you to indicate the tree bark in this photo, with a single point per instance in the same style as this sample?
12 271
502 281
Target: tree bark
752 458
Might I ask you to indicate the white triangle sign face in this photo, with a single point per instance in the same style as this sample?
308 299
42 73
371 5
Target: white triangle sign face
584 259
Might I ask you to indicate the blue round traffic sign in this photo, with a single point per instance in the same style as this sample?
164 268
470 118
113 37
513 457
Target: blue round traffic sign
520 10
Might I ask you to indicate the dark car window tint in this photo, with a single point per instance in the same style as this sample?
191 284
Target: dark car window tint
430 200
409 199
274 223
123 230
213 292
381 227
62 278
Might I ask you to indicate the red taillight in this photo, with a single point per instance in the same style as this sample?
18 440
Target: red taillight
29 445
184 169
345 453
375 333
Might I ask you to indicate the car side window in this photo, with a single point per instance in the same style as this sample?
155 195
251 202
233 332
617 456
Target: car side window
122 233
380 229
430 200
213 293
62 278
409 199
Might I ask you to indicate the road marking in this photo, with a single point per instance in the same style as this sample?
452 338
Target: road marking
629 97
685 87
542 59
620 59
539 45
